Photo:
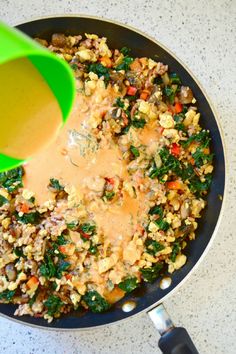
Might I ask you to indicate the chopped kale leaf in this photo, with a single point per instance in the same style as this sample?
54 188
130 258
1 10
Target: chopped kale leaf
48 268
156 210
201 158
163 225
100 70
18 252
3 200
95 301
73 225
134 151
125 51
120 103
169 92
203 138
7 295
153 246
12 179
93 249
55 184
175 79
61 240
138 123
108 195
158 80
175 250
29 218
88 228
128 284
53 305
152 273
124 64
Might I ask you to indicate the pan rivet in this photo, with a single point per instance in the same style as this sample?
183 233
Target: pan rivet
128 306
165 283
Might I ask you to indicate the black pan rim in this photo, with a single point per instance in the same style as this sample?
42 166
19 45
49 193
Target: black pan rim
224 157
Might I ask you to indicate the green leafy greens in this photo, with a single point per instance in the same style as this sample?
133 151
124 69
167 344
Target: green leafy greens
152 246
100 70
12 179
152 273
124 65
3 200
128 284
7 295
95 301
55 184
53 305
134 151
29 218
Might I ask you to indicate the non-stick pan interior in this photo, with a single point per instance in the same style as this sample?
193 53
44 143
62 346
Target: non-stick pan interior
119 36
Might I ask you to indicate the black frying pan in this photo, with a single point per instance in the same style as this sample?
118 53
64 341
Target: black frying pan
148 296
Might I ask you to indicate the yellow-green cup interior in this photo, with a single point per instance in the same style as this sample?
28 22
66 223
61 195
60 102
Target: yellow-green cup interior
56 72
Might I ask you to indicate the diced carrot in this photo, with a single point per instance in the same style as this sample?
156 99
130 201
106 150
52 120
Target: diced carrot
131 90
68 276
175 149
178 107
110 180
174 185
24 208
135 65
103 114
68 249
115 295
206 151
84 235
106 61
32 283
143 61
192 161
144 95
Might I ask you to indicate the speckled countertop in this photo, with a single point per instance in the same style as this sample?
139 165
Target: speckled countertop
202 34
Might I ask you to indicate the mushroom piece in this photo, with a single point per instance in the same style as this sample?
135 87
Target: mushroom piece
10 271
58 40
185 95
185 209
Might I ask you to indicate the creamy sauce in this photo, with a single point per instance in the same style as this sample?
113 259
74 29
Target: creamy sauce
30 114
63 160
149 134
75 159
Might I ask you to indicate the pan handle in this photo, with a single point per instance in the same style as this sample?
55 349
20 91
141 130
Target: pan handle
174 340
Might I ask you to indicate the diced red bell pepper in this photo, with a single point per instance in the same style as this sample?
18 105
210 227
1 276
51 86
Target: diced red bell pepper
24 208
144 95
178 107
68 276
110 180
68 249
32 283
174 185
106 61
131 91
84 235
175 149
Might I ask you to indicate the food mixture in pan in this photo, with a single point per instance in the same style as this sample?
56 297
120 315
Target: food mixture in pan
115 199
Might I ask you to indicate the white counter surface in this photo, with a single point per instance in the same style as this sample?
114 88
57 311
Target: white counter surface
202 34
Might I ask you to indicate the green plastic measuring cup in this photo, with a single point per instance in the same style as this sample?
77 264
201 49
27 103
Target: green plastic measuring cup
55 71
